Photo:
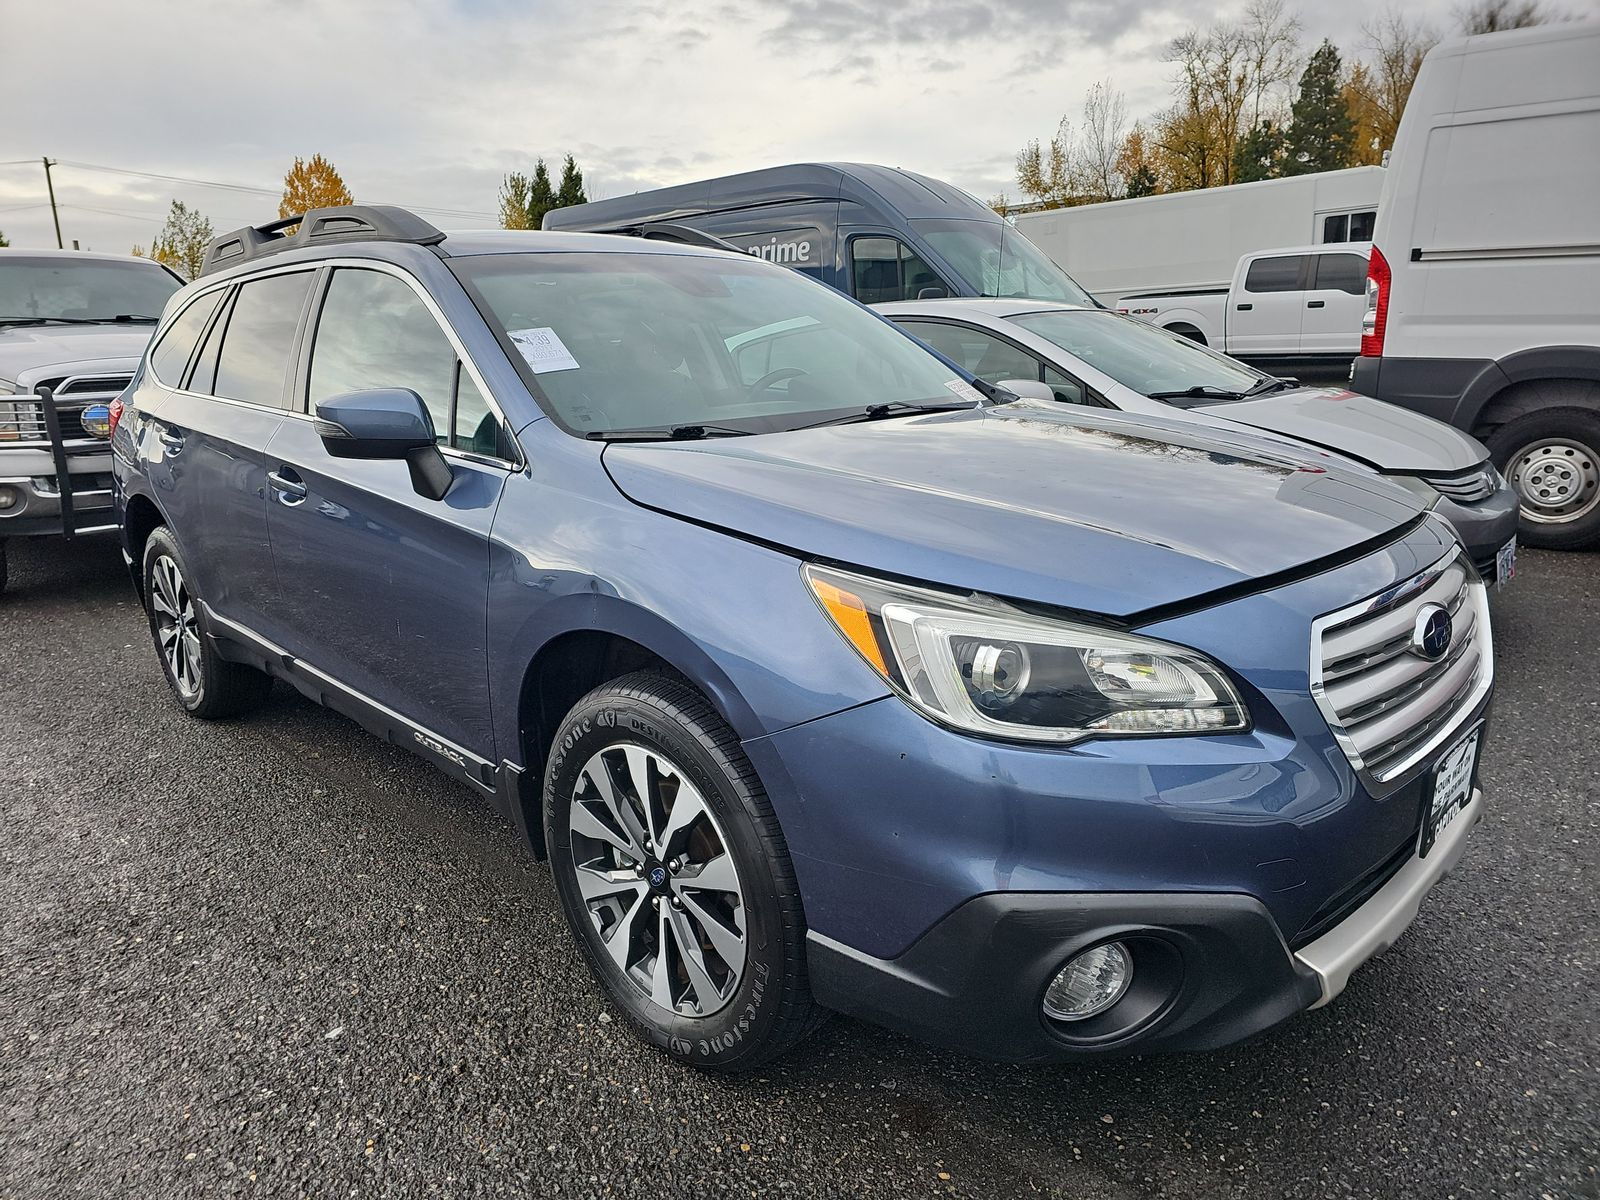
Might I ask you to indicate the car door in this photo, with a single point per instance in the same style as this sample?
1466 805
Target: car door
1335 304
208 440
1265 307
385 589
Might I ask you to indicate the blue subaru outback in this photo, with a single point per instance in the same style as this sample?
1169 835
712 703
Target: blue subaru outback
825 677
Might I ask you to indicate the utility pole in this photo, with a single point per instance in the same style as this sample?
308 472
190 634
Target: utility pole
54 214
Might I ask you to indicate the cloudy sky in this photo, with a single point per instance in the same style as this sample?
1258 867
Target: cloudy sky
430 102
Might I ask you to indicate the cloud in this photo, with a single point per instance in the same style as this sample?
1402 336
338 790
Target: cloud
431 102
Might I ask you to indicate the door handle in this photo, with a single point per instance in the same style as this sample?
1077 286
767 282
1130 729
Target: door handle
290 488
1244 307
1316 303
171 439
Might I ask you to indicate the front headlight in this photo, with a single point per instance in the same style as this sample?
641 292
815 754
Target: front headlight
986 667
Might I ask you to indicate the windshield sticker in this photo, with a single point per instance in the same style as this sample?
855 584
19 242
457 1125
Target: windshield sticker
543 350
965 390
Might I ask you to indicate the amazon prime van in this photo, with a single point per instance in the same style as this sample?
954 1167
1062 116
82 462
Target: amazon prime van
875 233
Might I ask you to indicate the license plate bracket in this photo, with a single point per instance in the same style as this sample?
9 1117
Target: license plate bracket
1449 788
1505 564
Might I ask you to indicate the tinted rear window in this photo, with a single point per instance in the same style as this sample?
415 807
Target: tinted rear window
260 337
171 353
1342 273
1280 274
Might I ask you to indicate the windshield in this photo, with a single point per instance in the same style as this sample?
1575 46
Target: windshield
1141 356
64 288
998 261
643 341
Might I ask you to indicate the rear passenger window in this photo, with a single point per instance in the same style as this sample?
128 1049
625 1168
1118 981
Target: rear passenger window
884 269
260 338
1280 274
375 332
1342 273
171 354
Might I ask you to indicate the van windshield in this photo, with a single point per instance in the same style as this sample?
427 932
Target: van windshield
618 342
998 261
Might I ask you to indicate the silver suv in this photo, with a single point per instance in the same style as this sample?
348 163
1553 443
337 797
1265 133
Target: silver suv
73 327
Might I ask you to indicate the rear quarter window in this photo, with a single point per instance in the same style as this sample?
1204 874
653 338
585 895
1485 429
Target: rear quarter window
170 357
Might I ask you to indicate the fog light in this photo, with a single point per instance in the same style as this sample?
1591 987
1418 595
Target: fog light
1089 984
8 498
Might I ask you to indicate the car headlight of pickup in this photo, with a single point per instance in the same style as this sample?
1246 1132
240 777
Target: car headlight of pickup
984 666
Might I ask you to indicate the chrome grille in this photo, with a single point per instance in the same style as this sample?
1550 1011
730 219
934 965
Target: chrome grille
22 417
1466 487
1387 704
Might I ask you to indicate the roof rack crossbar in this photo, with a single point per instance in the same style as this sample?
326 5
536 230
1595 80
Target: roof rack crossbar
320 226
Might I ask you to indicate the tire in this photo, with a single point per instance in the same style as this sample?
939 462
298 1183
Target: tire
1552 458
205 684
652 735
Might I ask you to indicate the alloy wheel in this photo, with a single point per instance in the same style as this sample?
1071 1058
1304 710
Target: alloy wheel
658 880
177 626
1557 480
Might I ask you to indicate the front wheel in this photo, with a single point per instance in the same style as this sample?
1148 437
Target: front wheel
1552 459
674 875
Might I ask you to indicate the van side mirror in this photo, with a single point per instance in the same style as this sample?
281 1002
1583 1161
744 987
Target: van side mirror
385 423
932 293
1028 389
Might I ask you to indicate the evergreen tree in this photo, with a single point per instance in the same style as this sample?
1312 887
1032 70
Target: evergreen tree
1143 182
571 189
1321 134
541 196
1259 154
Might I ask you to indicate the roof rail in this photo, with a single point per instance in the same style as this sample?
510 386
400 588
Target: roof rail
320 226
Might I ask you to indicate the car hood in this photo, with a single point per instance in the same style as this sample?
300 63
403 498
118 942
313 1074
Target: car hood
32 352
1381 435
1101 513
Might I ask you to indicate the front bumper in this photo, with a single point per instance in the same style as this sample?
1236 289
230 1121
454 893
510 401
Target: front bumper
976 979
1483 527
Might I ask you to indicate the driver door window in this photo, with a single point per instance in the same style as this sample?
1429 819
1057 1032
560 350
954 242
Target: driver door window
884 269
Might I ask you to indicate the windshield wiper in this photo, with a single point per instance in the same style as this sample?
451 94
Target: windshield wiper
1271 383
119 319
877 412
1202 391
674 433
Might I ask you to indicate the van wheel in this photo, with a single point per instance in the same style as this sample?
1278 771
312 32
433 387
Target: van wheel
1552 458
674 875
204 683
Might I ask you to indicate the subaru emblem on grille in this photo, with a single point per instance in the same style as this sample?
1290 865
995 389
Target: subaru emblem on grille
1430 637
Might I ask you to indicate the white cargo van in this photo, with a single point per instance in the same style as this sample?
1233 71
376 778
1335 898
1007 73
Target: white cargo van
1483 295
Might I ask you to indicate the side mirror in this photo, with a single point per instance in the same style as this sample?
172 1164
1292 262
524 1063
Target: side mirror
385 423
932 293
1028 389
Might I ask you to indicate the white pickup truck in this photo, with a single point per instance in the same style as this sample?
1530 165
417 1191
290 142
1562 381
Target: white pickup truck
1295 310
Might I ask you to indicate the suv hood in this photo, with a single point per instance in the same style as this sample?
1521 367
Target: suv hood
1099 513
1381 435
49 351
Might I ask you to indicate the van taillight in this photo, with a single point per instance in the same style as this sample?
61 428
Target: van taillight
1376 318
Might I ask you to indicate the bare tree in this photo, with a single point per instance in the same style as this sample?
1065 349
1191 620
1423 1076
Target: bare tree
1044 173
1491 16
1272 54
1395 46
1105 125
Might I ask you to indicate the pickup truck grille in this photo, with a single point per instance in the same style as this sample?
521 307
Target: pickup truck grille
1387 703
1465 487
22 418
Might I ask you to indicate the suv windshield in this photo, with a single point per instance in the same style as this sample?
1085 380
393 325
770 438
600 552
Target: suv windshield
1140 356
998 261
66 288
622 342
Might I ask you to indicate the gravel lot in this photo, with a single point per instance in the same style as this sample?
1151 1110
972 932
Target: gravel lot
282 958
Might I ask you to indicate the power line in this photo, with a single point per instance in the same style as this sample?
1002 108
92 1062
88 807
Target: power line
250 189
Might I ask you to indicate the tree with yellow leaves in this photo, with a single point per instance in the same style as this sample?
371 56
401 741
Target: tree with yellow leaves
313 184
